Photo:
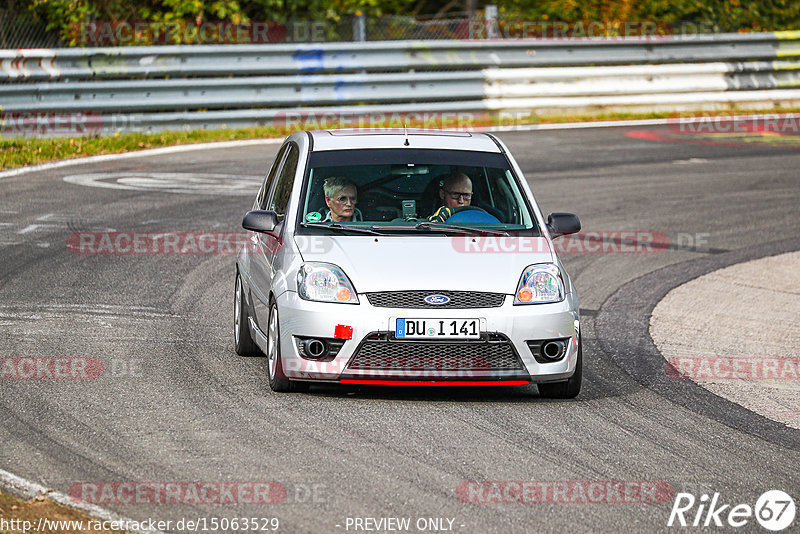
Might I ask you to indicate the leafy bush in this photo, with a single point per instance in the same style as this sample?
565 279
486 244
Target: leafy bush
709 15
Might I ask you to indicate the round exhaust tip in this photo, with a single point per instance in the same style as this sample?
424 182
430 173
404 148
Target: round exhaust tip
553 350
314 348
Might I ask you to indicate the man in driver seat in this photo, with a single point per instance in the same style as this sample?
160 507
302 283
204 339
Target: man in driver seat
455 190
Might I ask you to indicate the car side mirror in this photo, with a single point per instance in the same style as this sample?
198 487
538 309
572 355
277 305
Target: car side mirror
262 221
559 224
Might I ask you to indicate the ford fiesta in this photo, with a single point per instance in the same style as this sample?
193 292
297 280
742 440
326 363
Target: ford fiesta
405 258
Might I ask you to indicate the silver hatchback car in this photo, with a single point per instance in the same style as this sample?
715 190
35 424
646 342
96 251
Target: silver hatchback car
401 257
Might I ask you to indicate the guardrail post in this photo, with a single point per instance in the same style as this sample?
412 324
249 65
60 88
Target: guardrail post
359 31
490 17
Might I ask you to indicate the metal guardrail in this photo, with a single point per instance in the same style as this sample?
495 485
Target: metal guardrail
353 89
167 87
216 93
642 79
240 60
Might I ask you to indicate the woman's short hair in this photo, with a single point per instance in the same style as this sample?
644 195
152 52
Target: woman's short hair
333 184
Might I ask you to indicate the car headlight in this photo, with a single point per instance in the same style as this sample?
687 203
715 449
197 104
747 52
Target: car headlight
539 284
325 282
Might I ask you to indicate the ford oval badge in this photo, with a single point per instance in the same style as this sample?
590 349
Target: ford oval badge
437 300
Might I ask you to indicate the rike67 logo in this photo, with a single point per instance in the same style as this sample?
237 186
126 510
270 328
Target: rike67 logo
774 510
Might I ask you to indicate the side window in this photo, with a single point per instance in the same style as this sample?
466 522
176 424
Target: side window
262 194
283 186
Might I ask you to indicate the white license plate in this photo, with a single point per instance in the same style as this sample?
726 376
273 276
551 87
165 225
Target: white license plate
437 329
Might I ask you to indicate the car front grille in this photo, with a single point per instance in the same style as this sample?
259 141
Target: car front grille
416 299
492 353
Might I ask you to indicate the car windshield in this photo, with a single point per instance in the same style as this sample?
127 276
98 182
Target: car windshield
394 190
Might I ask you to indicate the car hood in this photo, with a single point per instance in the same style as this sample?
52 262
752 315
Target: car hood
394 263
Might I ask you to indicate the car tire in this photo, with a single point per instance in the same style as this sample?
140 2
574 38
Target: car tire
566 389
243 341
277 379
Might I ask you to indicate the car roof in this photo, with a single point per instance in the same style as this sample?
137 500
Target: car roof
360 138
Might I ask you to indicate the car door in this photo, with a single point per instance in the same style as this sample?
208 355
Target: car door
260 203
266 246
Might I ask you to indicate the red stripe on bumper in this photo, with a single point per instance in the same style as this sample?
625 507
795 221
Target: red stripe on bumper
435 382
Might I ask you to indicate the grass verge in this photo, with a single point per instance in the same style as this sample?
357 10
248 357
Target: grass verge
22 151
15 512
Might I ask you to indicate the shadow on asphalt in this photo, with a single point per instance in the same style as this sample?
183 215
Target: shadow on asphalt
601 379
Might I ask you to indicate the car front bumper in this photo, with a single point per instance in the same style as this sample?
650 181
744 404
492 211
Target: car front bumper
508 326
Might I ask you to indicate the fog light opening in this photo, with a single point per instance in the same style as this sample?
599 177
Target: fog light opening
315 348
554 350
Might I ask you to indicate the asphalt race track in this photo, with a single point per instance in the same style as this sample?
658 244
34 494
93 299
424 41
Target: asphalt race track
174 404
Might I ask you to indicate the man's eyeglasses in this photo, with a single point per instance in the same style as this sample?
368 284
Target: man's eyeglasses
458 196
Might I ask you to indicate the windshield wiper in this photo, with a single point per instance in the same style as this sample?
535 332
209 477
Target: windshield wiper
445 228
337 226
426 225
